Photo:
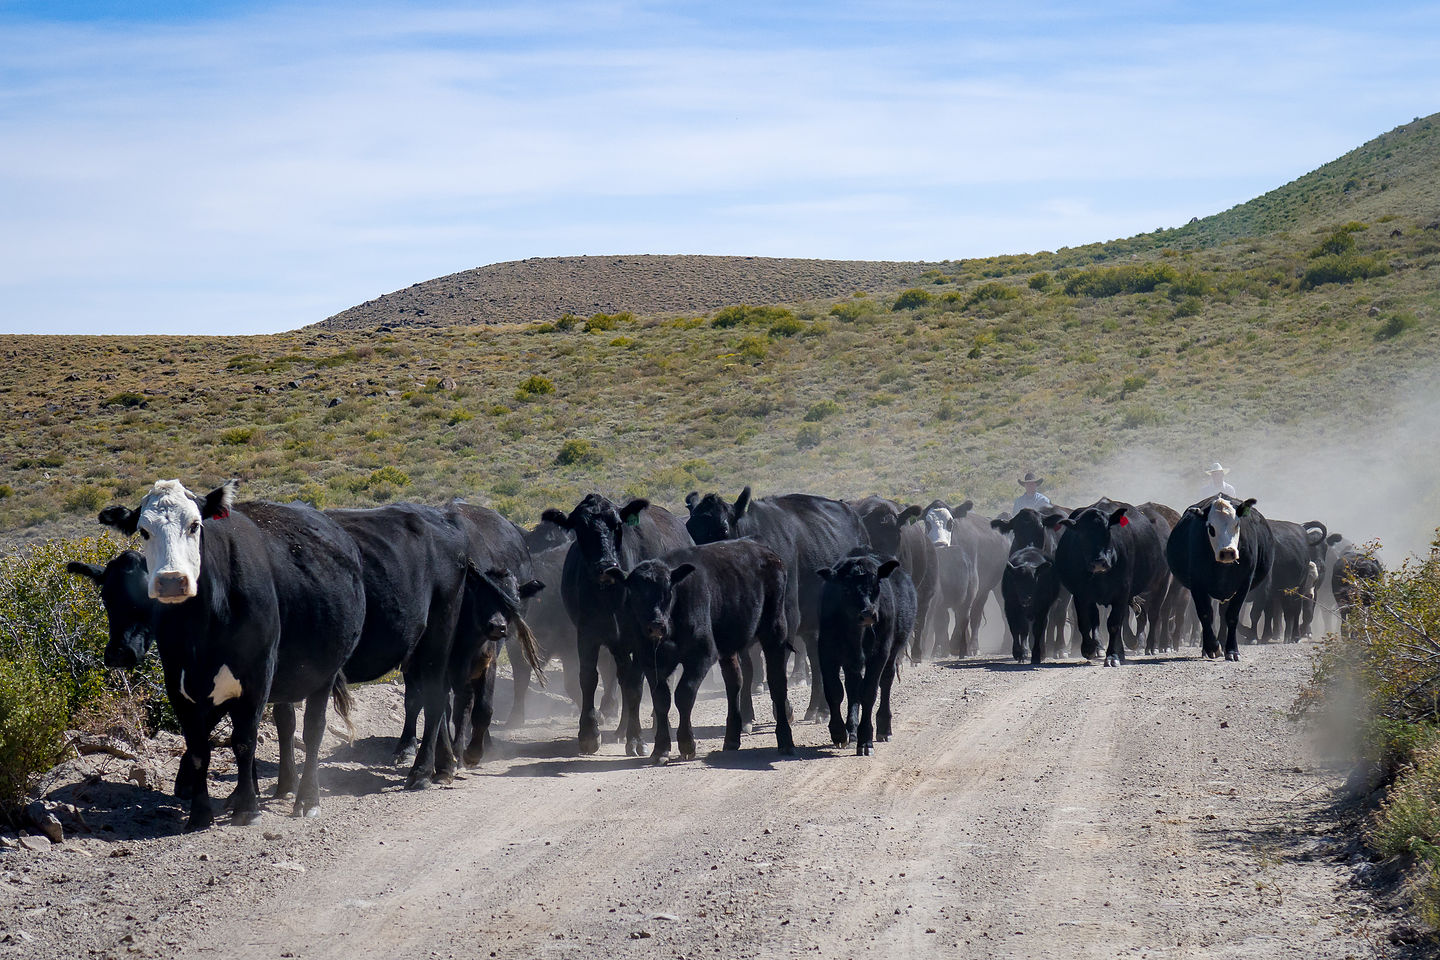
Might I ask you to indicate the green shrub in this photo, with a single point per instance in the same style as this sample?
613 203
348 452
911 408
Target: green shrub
1342 269
6 491
753 347
991 292
749 316
387 475
534 386
459 415
821 411
567 321
849 311
87 498
1339 242
126 399
786 327
32 729
237 436
1189 307
808 436
578 452
911 299
1408 825
1110 281
1396 324
1132 383
1040 281
602 322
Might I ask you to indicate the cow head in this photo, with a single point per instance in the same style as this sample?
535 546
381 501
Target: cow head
1222 526
712 519
493 599
1027 528
940 520
883 522
649 604
128 606
1092 527
599 526
1025 567
854 584
169 521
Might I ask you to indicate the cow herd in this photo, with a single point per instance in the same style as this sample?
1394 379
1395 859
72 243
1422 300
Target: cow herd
253 603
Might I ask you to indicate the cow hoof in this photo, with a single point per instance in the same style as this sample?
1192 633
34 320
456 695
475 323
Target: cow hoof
246 819
634 747
308 811
1232 655
417 781
864 749
730 744
687 752
443 778
1113 661
659 758
281 792
405 757
786 751
811 714
590 745
472 757
195 824
747 727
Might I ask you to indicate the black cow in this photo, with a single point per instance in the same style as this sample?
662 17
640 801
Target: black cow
1282 595
416 558
246 604
1111 554
698 605
867 611
1219 550
493 543
1029 583
808 532
609 542
1353 582
899 532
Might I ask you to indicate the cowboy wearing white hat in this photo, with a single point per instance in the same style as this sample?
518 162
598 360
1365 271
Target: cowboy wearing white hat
1032 497
1217 479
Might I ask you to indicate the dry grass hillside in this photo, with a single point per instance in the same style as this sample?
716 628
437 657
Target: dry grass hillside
1180 343
542 288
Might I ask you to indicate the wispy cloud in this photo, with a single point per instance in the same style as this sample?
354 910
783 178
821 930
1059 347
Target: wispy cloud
264 167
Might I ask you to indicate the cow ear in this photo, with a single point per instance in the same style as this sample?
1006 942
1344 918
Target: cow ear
1067 522
963 509
1244 508
742 503
1119 518
124 519
887 568
217 503
86 570
530 588
554 516
692 498
681 572
825 573
1001 523
630 513
910 514
1052 519
1333 539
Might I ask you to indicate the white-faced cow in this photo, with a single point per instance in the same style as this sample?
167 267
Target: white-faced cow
971 558
246 604
1221 548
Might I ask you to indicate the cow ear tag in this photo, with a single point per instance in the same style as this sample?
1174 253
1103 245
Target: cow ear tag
1124 521
633 520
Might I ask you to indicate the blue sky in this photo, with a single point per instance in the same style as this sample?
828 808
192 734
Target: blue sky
254 167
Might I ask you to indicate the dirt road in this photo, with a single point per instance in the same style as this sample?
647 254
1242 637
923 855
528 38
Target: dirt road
1165 809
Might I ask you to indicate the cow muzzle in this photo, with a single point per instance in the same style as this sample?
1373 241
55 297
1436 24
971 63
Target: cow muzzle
867 618
655 632
1100 566
609 574
120 657
1228 555
171 587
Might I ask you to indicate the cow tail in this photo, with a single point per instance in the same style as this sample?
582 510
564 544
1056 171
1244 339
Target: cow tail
342 699
530 648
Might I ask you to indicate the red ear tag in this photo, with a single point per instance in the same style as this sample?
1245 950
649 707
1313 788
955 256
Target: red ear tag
1124 521
222 515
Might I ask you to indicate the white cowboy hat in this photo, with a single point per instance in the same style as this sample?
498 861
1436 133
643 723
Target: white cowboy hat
1216 468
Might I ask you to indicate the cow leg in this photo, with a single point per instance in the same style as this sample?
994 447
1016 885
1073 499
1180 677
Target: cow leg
196 771
882 713
589 677
414 700
462 701
747 692
245 716
570 676
854 694
686 691
1018 633
730 670
1205 613
520 667
1232 620
610 702
483 712
869 687
307 801
960 633
631 683
1087 620
977 617
1037 636
775 651
819 699
660 697
834 695
285 732
1114 624
434 759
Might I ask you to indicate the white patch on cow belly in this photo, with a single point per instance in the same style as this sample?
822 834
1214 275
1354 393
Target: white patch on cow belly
226 686
183 692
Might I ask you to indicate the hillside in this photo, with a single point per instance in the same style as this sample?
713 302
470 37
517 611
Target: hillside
542 289
1309 355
